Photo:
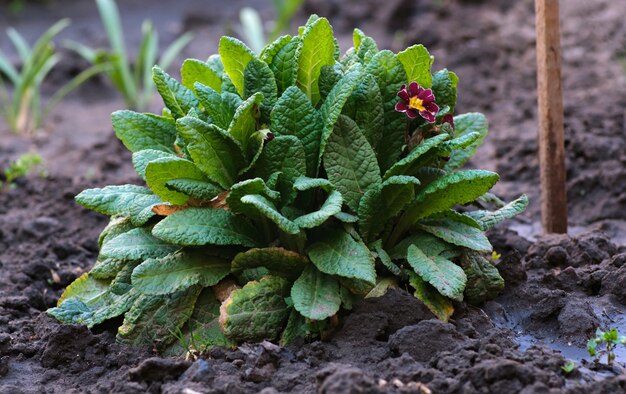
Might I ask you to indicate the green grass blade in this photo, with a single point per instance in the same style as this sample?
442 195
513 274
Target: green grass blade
82 50
20 44
174 49
146 59
7 69
252 27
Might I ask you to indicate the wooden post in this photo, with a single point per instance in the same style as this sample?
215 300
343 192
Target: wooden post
550 103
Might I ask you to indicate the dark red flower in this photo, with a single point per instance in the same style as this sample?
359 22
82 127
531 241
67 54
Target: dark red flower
417 100
448 119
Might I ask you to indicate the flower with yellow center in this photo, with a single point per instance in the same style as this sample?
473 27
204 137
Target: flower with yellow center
417 101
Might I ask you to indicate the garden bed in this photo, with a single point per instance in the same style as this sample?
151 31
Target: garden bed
559 289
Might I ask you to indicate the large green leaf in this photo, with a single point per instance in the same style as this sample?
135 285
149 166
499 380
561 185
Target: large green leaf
143 157
365 107
285 154
278 261
257 311
259 78
417 62
205 226
179 271
337 253
137 244
244 123
457 233
144 131
463 125
444 88
212 150
267 209
483 279
235 56
317 50
89 301
390 76
284 65
440 305
269 52
107 268
176 97
447 277
427 243
159 172
489 219
194 70
350 162
131 201
330 207
384 257
243 188
421 155
294 115
220 107
198 189
152 319
316 295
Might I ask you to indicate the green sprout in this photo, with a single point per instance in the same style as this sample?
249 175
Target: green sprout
26 164
253 29
569 367
133 81
605 342
21 102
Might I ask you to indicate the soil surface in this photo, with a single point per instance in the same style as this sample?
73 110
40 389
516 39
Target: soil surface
559 288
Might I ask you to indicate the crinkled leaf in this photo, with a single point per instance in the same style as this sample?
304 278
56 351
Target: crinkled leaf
294 115
382 287
144 131
244 123
257 311
317 50
350 162
220 107
420 156
198 189
330 207
194 70
159 172
107 268
143 157
427 243
259 78
384 257
444 85
176 97
117 225
266 208
296 328
456 217
269 52
365 107
152 319
284 65
278 261
457 233
213 151
249 186
235 56
178 271
316 295
489 219
285 154
137 244
483 279
465 124
133 201
205 226
447 277
337 253
417 62
438 304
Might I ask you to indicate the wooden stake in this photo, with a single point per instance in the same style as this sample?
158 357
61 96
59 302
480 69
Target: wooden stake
550 102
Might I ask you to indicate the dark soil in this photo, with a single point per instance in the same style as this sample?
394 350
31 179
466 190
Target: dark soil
560 288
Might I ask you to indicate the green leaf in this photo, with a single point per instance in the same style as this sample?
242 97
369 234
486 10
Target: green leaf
457 233
447 277
333 105
455 216
483 279
427 243
269 52
316 295
176 97
285 154
390 76
278 261
200 190
266 208
143 157
382 287
350 162
107 268
367 109
317 50
329 76
364 46
284 65
159 172
249 186
488 219
330 207
257 311
220 107
205 226
384 257
446 192
194 70
439 305
152 319
463 125
259 78
244 123
144 131
131 201
417 63
421 155
444 88
294 115
212 150
296 328
179 271
117 225
235 56
137 244
338 254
